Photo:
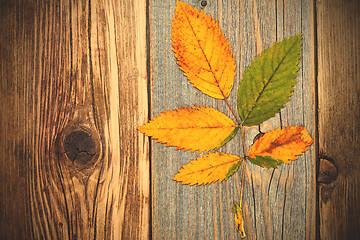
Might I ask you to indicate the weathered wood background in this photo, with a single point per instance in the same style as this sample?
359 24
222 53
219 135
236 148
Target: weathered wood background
78 77
277 203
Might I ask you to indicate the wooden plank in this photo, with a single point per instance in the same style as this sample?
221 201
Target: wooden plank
14 209
278 204
338 30
73 92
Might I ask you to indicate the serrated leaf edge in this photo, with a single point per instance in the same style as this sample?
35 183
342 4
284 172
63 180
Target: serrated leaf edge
212 19
232 134
272 75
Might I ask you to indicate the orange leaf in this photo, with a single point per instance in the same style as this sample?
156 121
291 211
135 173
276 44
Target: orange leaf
195 128
203 53
283 144
207 169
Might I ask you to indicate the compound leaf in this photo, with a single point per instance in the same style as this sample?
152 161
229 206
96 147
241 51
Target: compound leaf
269 81
195 128
202 51
207 169
279 146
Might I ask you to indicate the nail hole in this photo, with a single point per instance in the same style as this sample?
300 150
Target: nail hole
203 3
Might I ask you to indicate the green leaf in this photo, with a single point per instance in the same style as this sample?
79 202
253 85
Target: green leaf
269 81
233 169
265 161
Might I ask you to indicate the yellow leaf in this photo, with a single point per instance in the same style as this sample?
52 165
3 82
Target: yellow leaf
203 53
239 220
195 128
207 169
283 144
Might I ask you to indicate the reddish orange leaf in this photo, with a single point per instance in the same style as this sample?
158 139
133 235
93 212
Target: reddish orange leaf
283 144
203 53
195 128
207 169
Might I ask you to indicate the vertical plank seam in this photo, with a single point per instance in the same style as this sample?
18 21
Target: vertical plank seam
316 119
148 72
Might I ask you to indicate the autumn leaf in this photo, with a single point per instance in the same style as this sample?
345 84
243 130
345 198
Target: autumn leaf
279 146
239 220
269 81
207 169
195 128
202 52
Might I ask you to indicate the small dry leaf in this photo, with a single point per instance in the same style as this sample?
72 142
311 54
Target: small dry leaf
202 51
239 220
195 128
282 144
207 169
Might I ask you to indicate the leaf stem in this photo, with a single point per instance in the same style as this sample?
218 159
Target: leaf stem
244 151
232 111
244 167
243 139
242 183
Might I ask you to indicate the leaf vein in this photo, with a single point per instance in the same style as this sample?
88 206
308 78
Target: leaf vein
270 78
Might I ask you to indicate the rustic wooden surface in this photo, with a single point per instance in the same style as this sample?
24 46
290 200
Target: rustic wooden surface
74 72
338 25
73 66
278 204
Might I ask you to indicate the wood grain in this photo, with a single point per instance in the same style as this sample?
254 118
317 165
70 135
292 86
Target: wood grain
338 30
73 66
81 66
278 204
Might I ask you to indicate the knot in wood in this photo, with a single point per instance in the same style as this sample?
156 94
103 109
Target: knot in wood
80 146
327 171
